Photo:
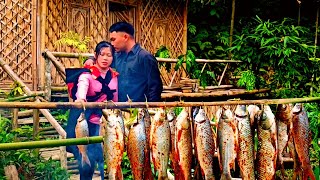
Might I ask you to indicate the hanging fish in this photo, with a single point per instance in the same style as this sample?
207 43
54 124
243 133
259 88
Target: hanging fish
137 142
171 117
82 130
302 139
147 164
183 147
205 144
267 146
245 152
160 143
114 139
227 141
283 119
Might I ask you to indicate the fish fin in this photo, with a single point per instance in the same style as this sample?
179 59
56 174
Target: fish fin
85 159
225 177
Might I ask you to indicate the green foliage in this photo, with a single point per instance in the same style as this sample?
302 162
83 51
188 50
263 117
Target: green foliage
163 52
61 115
16 90
28 163
313 110
126 169
247 80
75 41
277 53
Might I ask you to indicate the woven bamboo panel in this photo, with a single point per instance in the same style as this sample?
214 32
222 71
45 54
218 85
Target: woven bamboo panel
161 23
15 39
86 17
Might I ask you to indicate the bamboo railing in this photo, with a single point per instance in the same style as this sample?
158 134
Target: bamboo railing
50 57
43 110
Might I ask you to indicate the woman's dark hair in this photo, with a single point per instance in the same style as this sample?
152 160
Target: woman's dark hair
103 44
122 27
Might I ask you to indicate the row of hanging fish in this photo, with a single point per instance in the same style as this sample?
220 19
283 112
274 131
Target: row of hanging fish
188 144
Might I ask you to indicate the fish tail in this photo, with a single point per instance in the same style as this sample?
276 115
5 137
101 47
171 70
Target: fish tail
119 174
225 177
85 159
308 173
162 175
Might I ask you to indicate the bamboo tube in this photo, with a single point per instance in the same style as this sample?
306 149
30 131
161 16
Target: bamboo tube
56 63
50 143
45 112
124 105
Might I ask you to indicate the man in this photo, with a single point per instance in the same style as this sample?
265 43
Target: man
139 76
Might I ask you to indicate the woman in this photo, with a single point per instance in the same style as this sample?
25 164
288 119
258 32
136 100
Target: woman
95 83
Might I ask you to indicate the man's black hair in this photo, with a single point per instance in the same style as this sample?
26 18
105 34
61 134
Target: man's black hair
122 27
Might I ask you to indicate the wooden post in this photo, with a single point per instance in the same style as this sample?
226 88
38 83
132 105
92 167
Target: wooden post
36 120
47 85
59 66
42 40
63 155
15 124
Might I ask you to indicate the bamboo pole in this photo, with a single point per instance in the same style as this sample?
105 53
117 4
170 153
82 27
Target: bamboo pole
50 143
18 98
47 85
34 44
185 33
15 124
123 105
230 39
221 93
56 63
170 60
42 38
63 155
45 112
36 120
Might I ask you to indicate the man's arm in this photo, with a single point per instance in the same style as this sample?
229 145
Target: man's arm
155 86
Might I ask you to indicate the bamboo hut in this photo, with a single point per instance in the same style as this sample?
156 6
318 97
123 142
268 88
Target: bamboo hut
29 27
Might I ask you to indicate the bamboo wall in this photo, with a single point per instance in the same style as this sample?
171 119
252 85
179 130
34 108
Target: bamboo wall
25 32
15 40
